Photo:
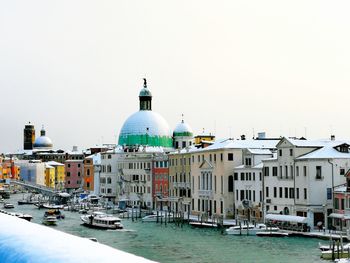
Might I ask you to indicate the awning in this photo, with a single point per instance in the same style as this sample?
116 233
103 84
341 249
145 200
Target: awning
286 218
339 216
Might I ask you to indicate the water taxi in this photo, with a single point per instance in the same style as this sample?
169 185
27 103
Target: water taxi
101 220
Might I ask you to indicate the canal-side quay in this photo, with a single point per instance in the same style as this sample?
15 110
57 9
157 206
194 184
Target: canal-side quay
172 243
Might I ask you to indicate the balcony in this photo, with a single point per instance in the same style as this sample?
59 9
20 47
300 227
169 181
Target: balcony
205 193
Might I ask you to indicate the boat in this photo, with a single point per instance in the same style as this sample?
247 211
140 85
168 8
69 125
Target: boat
346 247
50 220
54 212
203 224
250 229
26 202
158 218
19 215
101 220
8 206
271 234
48 206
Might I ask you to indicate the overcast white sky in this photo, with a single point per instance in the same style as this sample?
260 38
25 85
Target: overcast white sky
77 67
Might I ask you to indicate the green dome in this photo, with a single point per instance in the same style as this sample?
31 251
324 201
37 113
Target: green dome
145 93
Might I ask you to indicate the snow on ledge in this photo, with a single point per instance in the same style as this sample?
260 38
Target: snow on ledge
24 242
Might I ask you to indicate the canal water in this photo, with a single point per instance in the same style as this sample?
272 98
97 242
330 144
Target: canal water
185 244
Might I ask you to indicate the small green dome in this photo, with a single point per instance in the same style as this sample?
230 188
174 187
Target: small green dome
145 93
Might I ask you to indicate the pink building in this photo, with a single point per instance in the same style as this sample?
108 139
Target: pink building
341 215
74 171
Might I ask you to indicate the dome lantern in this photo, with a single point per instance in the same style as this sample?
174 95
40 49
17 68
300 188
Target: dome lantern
145 97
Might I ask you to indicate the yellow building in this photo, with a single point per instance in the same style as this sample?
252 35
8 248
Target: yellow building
49 176
59 178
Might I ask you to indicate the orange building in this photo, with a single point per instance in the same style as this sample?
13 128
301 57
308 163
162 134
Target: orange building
88 176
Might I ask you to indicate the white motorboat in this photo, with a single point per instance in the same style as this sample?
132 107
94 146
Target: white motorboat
250 229
346 247
102 220
50 220
8 206
159 218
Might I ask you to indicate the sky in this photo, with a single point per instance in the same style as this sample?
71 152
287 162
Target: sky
231 67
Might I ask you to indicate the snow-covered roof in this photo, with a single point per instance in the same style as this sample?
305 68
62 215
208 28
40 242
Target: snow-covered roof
96 158
183 127
48 166
313 143
258 166
53 163
242 144
326 152
260 151
145 122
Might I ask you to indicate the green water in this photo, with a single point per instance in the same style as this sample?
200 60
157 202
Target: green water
175 244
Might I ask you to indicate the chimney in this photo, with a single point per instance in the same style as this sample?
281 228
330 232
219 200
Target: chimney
75 148
332 137
261 135
242 137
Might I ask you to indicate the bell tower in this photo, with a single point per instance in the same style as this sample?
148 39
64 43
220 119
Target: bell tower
29 136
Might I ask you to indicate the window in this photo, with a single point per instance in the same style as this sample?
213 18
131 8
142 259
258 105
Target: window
329 193
78 174
281 174
318 172
78 164
248 161
267 191
342 171
68 165
286 192
280 152
336 203
221 157
215 183
222 185
297 193
281 192
291 152
109 156
235 176
291 193
266 171
297 171
304 170
88 172
210 157
183 144
214 157
230 184
68 174
242 195
305 193
286 169
274 171
275 192
230 156
242 176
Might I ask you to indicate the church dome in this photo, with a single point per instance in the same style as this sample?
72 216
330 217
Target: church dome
42 142
183 129
145 128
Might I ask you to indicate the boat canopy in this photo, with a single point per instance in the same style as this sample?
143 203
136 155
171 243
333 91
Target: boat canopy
339 216
286 218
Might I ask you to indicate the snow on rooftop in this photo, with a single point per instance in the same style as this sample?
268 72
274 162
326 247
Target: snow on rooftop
326 152
53 163
242 144
260 151
22 241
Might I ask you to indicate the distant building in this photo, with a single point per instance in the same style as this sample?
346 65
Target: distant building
74 170
32 171
58 181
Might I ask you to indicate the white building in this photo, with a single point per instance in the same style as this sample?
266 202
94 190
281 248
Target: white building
32 171
247 184
300 179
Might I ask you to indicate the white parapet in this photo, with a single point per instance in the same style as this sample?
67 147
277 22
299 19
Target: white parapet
22 241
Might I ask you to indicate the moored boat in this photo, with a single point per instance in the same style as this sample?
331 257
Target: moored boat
101 220
250 229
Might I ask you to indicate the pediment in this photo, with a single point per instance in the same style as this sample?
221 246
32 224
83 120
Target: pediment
206 165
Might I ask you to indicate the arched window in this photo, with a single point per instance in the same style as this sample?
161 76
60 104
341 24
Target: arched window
88 172
109 180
